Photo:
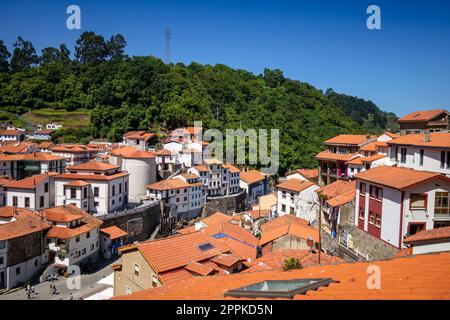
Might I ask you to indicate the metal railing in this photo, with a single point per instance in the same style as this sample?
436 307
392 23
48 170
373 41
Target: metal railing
125 212
343 243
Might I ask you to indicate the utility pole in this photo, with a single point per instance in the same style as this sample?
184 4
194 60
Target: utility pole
168 36
320 230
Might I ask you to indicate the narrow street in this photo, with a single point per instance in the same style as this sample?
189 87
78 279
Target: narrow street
89 286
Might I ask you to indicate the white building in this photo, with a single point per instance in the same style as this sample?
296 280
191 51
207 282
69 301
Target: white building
73 237
197 193
426 151
53 126
174 195
428 241
141 140
255 185
111 238
393 202
298 198
33 193
141 165
74 153
95 187
10 135
43 134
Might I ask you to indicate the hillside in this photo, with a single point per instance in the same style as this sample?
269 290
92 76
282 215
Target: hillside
124 93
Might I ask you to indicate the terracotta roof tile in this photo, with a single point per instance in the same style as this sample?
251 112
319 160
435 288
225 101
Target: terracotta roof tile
25 222
371 146
168 184
215 218
338 193
252 176
77 183
114 232
422 115
201 168
396 177
164 152
175 275
327 155
437 139
227 259
432 234
296 185
409 278
287 225
231 168
90 177
350 139
132 153
199 268
139 135
30 182
307 173
93 166
373 158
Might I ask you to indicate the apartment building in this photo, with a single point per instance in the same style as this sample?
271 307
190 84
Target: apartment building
33 193
424 120
141 140
73 237
424 151
297 197
394 202
10 135
95 187
197 193
22 254
74 153
20 166
255 184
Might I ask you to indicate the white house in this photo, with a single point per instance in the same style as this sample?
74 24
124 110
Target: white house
111 238
43 134
141 165
34 193
53 126
95 187
393 202
197 193
297 197
255 185
141 140
428 241
425 151
75 153
174 195
73 236
10 135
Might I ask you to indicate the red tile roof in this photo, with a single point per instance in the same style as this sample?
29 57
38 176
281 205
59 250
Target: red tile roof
139 135
73 148
373 158
132 153
199 268
409 278
227 259
201 168
349 139
432 234
252 176
296 185
437 140
93 166
168 184
215 218
306 173
114 232
164 152
423 115
30 182
26 222
338 193
77 183
327 155
90 177
396 177
231 168
371 146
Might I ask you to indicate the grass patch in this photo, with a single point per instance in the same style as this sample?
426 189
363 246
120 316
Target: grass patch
69 119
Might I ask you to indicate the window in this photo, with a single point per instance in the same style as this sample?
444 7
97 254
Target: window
73 193
113 190
127 290
84 251
85 192
376 192
35 262
136 270
283 208
278 288
88 235
41 201
126 186
371 217
442 159
377 220
441 203
154 281
421 157
27 202
413 228
77 239
362 189
283 194
361 213
418 201
448 160
17 271
403 155
46 187
96 191
92 247
2 260
95 203
292 210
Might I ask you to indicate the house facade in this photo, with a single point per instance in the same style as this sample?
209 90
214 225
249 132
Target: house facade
425 120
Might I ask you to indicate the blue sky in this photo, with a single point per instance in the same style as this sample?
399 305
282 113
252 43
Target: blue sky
403 67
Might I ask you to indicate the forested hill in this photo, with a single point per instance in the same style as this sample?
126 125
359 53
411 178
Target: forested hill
125 93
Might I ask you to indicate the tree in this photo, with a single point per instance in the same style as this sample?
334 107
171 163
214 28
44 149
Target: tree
4 56
116 45
64 54
24 56
49 55
91 48
292 263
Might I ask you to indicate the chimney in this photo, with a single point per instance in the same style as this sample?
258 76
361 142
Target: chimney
426 136
367 136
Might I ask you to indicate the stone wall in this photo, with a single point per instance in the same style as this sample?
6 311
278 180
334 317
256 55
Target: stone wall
227 204
133 221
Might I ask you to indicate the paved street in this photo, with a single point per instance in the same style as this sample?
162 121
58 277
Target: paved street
89 286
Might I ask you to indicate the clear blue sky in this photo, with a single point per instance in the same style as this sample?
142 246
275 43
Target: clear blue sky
402 67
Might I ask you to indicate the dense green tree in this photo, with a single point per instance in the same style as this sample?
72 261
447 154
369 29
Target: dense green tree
4 57
116 47
24 55
91 48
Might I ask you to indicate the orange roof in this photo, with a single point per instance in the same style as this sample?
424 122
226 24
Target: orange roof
199 268
259 213
175 275
77 183
432 234
232 230
15 147
338 193
391 135
327 155
96 177
189 175
373 158
350 139
9 132
292 229
437 139
93 166
201 168
139 135
168 184
71 212
161 255
113 232
276 259
213 219
227 259
423 115
231 168
284 219
30 182
25 222
164 152
252 176
409 278
40 156
356 161
307 173
72 148
396 177
45 145
371 146
132 153
296 185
